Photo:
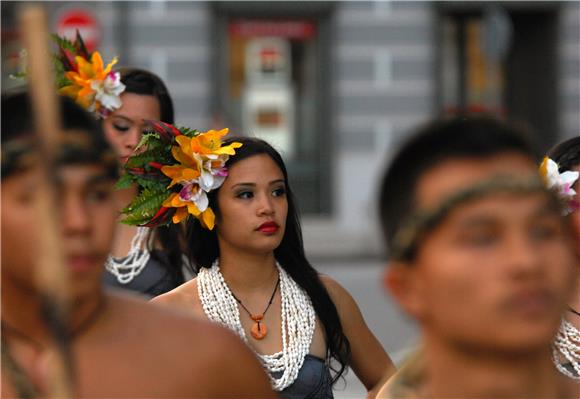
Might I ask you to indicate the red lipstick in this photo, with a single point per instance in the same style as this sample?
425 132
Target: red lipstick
268 228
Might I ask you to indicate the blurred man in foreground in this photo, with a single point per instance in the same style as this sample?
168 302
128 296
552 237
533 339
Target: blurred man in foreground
481 257
120 346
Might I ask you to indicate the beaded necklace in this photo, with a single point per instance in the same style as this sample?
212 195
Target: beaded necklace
129 267
567 344
23 384
298 320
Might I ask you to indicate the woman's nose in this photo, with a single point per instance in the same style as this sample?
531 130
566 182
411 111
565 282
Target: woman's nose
265 206
132 139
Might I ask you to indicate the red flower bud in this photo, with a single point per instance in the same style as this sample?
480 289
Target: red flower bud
162 215
156 165
165 130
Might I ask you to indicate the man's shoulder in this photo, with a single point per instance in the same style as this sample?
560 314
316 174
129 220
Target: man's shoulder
178 330
180 355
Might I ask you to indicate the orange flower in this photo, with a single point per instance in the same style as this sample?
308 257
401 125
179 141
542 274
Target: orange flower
207 217
210 143
180 174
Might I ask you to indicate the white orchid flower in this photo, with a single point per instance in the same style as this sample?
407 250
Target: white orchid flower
108 91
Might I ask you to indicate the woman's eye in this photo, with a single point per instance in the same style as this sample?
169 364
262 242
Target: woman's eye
279 192
245 195
121 128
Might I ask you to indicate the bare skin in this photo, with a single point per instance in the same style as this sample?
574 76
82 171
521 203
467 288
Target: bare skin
248 266
127 348
159 355
488 287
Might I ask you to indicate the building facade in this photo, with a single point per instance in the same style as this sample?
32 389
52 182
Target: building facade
336 85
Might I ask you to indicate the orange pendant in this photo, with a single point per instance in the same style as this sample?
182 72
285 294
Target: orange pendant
258 330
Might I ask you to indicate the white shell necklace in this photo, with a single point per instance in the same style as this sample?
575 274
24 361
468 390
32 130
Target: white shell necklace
567 344
297 326
129 267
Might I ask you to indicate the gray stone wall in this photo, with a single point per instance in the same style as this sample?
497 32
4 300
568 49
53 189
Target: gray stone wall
384 54
570 70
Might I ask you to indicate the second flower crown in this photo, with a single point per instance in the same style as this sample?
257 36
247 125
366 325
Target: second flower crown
83 76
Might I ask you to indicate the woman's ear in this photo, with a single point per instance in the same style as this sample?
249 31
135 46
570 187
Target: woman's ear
401 281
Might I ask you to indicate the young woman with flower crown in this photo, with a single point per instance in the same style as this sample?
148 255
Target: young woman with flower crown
142 260
253 276
561 170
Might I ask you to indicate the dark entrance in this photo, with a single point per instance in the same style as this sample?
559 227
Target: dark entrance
501 58
272 80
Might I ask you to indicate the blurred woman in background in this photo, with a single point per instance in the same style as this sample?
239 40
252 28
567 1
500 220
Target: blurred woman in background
144 260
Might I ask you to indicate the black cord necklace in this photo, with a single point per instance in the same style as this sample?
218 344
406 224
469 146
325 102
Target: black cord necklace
572 310
259 329
25 388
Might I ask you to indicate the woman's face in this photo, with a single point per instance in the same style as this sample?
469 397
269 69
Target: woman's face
252 206
124 127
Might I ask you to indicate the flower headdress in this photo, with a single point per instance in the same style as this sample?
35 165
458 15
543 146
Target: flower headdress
561 183
175 169
82 76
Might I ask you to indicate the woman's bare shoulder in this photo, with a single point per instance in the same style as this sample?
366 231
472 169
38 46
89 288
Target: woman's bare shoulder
184 297
336 291
343 300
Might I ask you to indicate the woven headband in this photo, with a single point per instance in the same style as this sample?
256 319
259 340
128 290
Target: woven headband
22 153
417 226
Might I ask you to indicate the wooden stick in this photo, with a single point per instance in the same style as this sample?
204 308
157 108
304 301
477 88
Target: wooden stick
51 274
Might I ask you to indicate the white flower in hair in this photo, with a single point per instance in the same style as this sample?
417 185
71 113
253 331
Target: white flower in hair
561 183
108 91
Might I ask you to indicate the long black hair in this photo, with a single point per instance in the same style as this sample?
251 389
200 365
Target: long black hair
143 82
203 250
566 154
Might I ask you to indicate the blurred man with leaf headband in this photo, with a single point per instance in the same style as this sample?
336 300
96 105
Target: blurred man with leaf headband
116 345
481 258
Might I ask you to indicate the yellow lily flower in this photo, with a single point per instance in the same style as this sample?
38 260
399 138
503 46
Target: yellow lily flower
181 152
210 143
185 208
179 174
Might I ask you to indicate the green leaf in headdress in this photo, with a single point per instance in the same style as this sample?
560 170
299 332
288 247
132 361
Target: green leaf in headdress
157 153
125 181
145 206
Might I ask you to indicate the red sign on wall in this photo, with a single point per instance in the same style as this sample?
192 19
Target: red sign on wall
83 20
293 29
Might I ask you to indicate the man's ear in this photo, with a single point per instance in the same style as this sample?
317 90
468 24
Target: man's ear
401 281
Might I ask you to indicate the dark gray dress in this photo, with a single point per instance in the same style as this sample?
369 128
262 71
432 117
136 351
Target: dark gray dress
155 278
313 381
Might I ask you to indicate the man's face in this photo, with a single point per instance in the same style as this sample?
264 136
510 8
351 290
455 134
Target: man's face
496 273
86 221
